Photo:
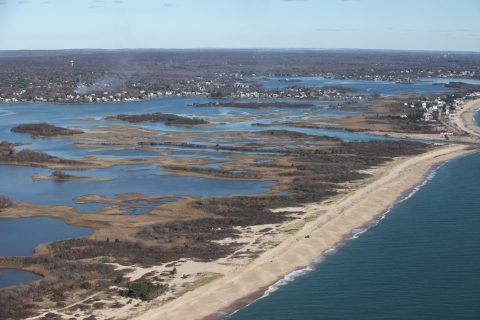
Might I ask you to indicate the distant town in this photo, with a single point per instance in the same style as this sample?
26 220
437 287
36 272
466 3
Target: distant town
102 77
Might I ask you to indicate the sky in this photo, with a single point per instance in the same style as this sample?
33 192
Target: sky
444 25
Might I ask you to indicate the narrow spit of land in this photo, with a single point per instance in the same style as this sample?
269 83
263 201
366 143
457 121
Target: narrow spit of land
339 217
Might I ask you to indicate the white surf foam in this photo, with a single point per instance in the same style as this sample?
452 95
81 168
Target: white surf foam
354 234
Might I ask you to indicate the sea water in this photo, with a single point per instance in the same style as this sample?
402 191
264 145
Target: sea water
420 262
476 117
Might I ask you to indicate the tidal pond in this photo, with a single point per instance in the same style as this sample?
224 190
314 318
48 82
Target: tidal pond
18 237
17 184
14 277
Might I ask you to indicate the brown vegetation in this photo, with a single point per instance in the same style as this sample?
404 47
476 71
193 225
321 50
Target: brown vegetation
316 175
21 302
5 202
8 154
6 148
253 105
174 247
44 130
254 147
462 87
168 119
60 174
214 172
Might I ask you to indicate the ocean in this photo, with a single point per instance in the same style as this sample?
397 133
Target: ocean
476 117
421 261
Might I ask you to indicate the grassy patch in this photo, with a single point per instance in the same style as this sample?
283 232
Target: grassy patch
206 279
297 226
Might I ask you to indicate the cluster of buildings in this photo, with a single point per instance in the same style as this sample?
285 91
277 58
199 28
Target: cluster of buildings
408 75
434 109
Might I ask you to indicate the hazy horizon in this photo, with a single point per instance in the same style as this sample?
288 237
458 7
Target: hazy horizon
429 25
243 49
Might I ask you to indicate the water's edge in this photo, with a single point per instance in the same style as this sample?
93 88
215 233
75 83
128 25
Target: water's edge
263 292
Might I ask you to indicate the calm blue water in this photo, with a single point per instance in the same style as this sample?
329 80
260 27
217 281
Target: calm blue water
16 182
448 80
383 88
12 277
420 262
18 237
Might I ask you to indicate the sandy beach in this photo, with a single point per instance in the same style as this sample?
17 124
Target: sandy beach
464 119
336 218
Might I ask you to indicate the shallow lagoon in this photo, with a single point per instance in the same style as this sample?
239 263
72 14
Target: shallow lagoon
18 237
128 179
13 277
384 88
20 186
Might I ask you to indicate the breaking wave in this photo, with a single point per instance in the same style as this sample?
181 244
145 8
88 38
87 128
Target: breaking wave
354 234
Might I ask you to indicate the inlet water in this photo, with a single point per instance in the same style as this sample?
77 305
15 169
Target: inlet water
18 237
13 277
17 183
364 86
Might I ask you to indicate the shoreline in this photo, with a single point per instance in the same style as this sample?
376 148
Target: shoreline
245 284
354 233
69 178
465 118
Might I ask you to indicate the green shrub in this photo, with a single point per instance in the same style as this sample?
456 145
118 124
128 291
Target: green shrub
119 279
144 290
86 285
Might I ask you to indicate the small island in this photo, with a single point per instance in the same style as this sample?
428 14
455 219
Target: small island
59 174
253 105
166 118
9 155
44 130
289 80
